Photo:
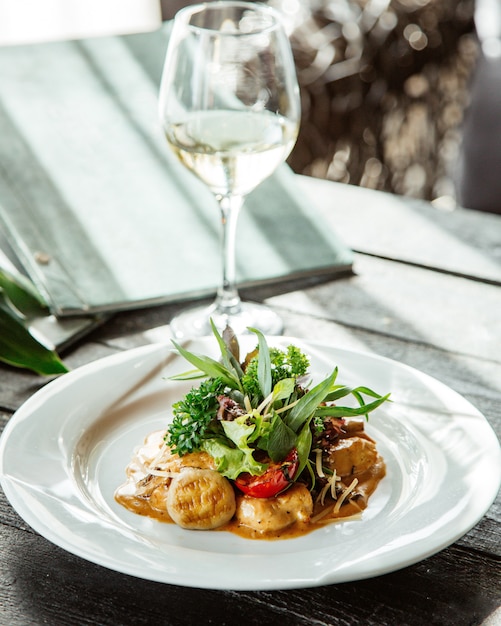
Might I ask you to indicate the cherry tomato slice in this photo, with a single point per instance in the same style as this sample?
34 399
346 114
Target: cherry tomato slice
275 479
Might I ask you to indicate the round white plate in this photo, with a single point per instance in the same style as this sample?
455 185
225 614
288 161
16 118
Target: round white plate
63 454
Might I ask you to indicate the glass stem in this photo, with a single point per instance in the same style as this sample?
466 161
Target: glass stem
227 299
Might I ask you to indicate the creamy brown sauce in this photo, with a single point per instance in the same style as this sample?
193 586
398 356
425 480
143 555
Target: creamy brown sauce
367 484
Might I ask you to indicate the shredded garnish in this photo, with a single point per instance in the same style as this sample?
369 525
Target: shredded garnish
334 479
345 494
318 463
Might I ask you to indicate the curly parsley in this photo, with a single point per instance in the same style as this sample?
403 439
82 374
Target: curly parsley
195 417
284 364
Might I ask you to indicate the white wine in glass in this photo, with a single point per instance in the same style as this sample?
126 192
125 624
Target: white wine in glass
230 109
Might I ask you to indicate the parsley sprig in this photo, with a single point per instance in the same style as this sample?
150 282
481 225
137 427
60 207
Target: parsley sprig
195 417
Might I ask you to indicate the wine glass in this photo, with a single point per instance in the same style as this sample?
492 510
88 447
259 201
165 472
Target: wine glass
230 109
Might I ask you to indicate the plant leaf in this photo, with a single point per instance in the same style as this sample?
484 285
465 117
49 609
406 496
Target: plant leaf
210 366
280 440
283 389
227 355
345 411
19 348
303 446
263 364
22 294
304 409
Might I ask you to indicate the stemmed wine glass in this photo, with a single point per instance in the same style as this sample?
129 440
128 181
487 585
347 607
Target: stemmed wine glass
230 109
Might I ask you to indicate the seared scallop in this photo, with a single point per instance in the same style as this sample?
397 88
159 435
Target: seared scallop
200 499
269 515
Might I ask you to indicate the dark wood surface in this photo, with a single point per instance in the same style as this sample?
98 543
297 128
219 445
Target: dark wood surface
416 305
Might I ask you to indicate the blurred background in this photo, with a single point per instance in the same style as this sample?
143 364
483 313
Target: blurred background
399 95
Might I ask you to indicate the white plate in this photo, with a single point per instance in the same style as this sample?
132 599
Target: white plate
63 454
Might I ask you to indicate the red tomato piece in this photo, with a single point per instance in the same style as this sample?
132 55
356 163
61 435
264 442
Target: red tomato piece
275 479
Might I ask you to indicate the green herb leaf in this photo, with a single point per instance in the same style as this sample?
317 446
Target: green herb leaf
261 430
229 360
283 389
264 364
210 366
194 417
340 391
303 446
345 411
189 375
281 439
307 404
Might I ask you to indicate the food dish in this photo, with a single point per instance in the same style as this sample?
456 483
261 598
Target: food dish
64 451
257 447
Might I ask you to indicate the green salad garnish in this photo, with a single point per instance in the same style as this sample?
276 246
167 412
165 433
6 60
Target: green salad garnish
252 413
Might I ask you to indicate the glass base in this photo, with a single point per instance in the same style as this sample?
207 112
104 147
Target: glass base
196 322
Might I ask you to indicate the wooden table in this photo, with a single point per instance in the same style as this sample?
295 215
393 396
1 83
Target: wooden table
426 293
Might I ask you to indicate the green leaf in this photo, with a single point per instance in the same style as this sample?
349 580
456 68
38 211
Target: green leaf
231 341
238 431
261 430
283 389
307 404
210 366
189 375
231 462
303 446
229 359
23 295
341 391
264 364
19 348
281 439
345 411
